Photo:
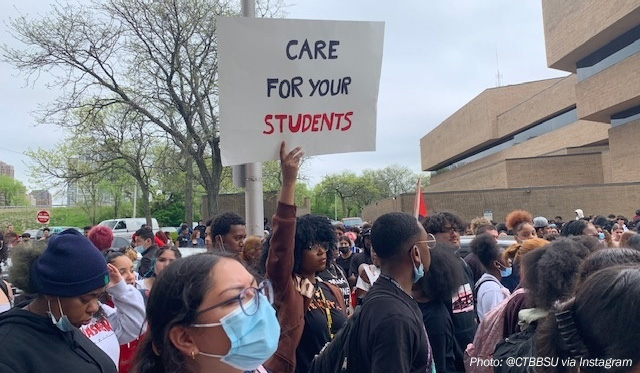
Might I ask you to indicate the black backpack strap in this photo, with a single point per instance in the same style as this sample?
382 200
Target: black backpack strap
5 290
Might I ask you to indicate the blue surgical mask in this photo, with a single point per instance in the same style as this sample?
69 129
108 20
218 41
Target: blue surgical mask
601 236
253 338
63 322
139 249
418 273
506 272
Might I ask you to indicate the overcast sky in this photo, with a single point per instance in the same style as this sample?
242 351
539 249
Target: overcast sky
438 55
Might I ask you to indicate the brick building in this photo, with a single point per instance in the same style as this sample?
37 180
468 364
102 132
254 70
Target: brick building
548 146
41 198
6 169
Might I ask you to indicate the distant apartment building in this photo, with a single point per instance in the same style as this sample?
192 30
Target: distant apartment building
41 197
6 169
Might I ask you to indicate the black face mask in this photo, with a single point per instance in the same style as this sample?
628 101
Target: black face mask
344 250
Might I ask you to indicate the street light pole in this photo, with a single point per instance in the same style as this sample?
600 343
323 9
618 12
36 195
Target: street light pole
253 196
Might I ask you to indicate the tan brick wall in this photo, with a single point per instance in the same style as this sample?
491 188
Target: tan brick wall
606 167
489 177
578 134
625 152
575 29
557 98
610 91
475 124
602 199
556 170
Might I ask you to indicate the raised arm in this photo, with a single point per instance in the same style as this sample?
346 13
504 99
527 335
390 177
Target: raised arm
279 265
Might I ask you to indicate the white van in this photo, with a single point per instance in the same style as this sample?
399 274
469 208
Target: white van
125 227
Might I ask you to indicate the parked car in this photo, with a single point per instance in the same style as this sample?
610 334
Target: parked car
352 222
169 229
120 242
54 230
32 232
125 227
465 242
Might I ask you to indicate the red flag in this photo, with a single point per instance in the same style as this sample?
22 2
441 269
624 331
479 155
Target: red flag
419 207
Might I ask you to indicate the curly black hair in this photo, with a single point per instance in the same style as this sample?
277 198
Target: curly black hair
573 228
607 258
553 276
486 249
601 302
445 274
391 232
437 222
312 230
221 223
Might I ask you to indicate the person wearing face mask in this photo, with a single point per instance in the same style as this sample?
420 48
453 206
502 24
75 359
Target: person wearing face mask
208 314
310 310
228 232
346 255
488 290
66 279
391 333
145 245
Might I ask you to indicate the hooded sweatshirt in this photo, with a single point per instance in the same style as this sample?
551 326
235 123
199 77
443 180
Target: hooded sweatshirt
33 344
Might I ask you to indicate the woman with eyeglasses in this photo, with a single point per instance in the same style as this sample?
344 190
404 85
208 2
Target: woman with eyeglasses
206 313
310 310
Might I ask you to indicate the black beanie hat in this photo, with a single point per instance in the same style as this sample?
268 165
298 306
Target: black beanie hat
69 266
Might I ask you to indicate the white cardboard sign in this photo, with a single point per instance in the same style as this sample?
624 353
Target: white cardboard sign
311 83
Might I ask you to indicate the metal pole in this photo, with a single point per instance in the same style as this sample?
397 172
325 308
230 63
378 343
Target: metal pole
253 195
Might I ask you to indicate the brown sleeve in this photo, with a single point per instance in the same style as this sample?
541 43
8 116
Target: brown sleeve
279 267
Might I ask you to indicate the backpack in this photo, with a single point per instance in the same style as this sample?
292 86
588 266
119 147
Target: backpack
517 345
337 356
342 354
488 335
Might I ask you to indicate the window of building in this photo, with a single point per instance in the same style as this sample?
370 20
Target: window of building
625 116
615 51
539 129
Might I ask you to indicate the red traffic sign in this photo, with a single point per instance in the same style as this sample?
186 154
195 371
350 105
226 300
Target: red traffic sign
43 217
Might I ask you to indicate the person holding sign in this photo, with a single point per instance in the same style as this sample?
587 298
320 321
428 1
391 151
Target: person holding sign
310 311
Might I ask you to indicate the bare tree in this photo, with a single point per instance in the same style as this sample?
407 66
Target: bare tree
158 58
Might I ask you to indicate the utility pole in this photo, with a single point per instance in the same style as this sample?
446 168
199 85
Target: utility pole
253 195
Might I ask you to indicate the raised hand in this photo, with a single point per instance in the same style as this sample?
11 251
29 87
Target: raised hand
114 275
289 164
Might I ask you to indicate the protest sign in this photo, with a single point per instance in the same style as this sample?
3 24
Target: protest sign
311 83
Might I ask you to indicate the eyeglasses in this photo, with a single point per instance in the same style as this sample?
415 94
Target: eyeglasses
449 230
430 241
244 299
317 247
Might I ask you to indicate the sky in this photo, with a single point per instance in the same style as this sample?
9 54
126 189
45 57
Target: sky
438 55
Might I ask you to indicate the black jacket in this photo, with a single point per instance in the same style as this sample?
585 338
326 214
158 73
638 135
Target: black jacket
147 259
31 343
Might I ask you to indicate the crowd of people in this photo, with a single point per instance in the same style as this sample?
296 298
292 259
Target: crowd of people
566 290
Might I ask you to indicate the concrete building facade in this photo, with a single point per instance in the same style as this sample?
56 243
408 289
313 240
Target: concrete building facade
554 145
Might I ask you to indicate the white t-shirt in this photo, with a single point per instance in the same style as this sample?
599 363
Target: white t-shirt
490 293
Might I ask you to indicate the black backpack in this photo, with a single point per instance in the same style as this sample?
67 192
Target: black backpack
341 354
517 345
